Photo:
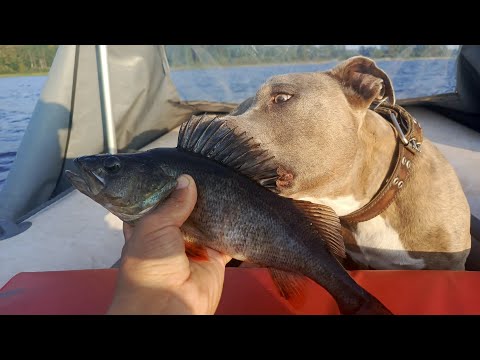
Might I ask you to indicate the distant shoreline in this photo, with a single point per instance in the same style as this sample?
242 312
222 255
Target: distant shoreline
210 66
23 74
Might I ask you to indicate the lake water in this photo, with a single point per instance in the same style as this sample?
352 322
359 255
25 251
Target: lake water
18 95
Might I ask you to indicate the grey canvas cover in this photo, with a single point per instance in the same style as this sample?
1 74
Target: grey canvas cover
67 123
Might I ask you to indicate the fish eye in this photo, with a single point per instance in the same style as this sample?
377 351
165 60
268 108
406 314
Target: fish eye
112 164
281 98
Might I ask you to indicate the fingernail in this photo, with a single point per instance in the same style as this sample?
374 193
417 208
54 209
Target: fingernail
182 182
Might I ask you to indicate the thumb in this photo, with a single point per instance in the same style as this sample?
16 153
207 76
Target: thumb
176 209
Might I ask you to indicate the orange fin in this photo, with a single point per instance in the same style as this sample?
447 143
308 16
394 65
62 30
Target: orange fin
196 252
193 236
326 222
291 286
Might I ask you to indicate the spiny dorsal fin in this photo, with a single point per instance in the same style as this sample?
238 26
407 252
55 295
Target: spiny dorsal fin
326 221
213 139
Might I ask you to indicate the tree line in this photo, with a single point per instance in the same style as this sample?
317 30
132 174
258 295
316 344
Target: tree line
26 58
38 58
192 55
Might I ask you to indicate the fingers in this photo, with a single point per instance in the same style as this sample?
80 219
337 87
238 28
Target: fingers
160 228
127 231
222 258
174 211
181 202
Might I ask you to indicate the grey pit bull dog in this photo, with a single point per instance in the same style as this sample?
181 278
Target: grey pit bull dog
334 150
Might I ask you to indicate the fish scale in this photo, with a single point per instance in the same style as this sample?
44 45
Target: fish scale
238 211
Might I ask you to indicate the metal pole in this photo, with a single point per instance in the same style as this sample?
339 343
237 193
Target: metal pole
105 99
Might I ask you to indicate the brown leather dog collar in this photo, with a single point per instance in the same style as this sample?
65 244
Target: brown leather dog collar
409 140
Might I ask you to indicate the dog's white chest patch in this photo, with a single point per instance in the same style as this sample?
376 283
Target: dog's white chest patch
379 245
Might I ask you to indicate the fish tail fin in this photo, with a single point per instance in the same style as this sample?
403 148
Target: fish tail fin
371 307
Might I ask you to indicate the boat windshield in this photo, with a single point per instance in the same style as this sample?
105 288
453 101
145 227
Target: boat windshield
232 73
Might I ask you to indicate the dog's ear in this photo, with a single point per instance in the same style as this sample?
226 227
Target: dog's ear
362 81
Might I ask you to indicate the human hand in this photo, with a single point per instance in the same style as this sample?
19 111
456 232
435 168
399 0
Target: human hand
155 274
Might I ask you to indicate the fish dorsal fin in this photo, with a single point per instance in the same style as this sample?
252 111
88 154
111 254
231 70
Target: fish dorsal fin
326 222
213 139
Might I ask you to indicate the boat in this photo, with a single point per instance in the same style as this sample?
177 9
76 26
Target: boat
58 248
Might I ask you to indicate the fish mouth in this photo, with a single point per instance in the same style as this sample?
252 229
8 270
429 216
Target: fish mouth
86 181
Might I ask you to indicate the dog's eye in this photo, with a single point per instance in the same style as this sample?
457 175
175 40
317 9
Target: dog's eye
280 98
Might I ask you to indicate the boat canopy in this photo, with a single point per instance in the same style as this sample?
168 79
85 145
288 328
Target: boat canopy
67 121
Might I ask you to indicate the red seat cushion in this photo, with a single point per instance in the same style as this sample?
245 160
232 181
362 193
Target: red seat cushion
249 291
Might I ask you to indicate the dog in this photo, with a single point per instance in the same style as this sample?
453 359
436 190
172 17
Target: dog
334 149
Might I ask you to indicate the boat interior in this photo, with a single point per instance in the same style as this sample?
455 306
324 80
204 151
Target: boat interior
46 225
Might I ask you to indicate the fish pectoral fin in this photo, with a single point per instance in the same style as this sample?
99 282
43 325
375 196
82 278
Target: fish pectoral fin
193 236
326 222
196 252
290 285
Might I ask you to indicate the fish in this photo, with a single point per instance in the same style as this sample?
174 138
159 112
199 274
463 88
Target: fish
239 211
